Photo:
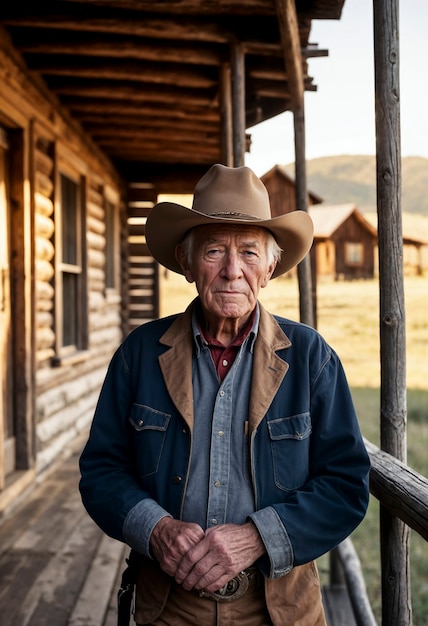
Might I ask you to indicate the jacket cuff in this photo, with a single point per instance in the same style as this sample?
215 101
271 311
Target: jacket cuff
280 556
139 524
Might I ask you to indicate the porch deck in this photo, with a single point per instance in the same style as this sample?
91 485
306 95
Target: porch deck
58 569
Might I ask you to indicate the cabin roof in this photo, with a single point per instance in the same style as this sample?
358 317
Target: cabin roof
143 78
327 219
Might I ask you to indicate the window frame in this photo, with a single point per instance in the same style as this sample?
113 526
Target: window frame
112 241
354 253
64 267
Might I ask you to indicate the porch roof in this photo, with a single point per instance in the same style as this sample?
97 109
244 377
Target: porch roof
143 79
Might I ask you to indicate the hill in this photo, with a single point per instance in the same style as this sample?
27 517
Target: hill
352 178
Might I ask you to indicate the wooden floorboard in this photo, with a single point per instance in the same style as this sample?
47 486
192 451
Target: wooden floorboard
56 566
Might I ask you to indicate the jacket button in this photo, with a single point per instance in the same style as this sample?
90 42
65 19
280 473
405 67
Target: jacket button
177 480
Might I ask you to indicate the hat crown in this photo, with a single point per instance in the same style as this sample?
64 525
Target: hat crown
234 193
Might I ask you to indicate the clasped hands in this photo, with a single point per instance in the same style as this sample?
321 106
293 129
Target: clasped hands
205 560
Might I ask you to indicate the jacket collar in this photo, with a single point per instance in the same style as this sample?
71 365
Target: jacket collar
268 368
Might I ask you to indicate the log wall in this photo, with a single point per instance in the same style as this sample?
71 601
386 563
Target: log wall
62 393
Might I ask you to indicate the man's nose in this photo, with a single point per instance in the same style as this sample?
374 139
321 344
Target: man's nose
232 266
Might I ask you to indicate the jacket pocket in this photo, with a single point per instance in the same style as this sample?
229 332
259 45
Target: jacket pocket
149 432
289 441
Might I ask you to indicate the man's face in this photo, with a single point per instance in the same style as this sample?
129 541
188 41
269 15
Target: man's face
229 265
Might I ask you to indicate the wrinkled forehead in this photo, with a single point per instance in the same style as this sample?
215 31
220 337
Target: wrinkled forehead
242 233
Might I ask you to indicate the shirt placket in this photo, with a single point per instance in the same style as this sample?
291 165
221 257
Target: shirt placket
220 453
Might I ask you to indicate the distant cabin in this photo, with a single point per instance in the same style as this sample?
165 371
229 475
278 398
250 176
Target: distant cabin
344 241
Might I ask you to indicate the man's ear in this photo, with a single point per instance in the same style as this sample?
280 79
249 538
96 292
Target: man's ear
182 260
269 273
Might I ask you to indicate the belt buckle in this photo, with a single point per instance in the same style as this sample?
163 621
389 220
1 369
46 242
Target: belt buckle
232 590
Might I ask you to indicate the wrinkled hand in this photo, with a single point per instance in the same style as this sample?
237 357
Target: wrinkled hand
171 540
223 552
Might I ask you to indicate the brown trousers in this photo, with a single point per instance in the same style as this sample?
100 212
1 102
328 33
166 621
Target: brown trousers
186 608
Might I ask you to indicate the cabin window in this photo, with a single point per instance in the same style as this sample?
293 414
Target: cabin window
354 253
71 310
111 250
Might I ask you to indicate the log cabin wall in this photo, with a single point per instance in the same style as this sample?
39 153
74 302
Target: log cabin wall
55 382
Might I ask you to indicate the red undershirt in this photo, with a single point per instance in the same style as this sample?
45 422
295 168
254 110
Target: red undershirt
222 356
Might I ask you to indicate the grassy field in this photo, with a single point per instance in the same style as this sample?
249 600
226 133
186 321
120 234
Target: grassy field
348 317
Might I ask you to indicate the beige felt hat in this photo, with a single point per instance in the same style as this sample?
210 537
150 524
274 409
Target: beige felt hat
227 195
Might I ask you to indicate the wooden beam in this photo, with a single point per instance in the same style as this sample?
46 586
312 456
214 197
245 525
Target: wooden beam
183 30
401 490
124 50
289 30
103 108
139 93
154 73
226 114
238 103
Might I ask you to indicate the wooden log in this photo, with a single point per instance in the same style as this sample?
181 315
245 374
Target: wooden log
95 210
44 249
44 184
45 338
43 205
44 290
238 103
355 584
43 162
43 270
401 490
95 225
395 536
43 319
43 225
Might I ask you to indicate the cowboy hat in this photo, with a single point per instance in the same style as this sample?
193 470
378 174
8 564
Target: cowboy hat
227 195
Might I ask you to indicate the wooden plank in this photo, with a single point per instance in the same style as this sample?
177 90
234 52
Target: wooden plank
94 599
111 615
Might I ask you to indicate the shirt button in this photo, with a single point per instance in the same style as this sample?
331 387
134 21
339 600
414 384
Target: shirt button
140 422
220 433
217 483
214 522
222 393
225 362
176 480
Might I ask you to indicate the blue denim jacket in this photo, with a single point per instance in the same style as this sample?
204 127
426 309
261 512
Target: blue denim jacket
309 465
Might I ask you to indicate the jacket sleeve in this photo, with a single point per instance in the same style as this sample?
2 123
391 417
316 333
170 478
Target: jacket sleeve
109 485
334 499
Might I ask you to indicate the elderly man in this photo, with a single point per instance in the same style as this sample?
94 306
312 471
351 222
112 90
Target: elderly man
225 449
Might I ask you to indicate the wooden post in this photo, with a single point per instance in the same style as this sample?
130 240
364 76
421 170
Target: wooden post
396 602
306 294
226 115
238 103
290 40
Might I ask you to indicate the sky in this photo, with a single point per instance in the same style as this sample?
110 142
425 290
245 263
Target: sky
340 114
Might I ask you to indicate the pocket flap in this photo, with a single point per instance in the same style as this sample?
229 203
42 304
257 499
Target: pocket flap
293 427
144 418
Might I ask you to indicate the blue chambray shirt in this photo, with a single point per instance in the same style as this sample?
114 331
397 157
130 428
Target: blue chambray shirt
219 488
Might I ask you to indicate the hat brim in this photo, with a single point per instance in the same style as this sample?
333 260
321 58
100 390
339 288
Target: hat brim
168 222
